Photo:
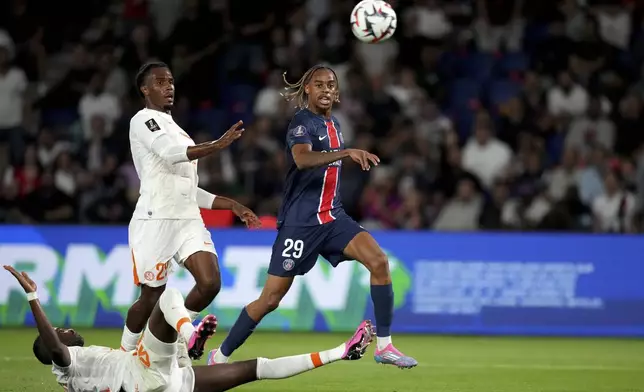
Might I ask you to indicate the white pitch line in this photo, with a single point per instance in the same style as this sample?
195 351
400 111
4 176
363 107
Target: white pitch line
367 361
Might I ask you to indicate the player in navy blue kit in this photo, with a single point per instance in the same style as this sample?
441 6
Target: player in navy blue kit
311 220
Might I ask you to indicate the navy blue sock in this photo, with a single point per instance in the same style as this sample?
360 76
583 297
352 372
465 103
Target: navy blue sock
241 330
383 306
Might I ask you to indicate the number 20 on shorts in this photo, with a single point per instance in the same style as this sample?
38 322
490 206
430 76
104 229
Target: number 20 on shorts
293 249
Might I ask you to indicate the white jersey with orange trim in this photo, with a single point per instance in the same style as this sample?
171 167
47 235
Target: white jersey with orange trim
151 367
168 184
166 223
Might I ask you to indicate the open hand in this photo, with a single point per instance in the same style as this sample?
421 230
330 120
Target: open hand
25 281
364 159
247 216
233 133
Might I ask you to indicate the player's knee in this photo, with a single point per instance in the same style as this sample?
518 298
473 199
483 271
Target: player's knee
209 286
378 265
150 296
271 302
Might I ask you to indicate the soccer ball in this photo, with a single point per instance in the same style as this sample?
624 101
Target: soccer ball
373 21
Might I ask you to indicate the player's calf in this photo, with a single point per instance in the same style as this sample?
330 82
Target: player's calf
204 268
177 316
138 315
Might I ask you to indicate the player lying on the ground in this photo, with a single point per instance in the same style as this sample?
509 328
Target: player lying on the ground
312 222
153 366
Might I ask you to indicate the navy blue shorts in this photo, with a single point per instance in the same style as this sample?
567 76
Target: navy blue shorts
296 248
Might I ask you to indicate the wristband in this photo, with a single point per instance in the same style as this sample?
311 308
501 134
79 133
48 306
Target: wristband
32 296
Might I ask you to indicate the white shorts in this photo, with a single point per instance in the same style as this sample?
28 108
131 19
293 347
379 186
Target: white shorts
155 243
154 368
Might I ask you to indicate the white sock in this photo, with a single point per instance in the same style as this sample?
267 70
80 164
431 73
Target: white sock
175 313
290 366
383 342
219 357
129 339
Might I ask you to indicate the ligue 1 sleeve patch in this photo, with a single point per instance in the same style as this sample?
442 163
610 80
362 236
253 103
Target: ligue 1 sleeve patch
299 131
152 125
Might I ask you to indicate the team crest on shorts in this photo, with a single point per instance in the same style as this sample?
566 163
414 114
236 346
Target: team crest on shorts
149 275
288 264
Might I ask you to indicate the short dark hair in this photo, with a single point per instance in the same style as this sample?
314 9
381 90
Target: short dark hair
143 73
40 351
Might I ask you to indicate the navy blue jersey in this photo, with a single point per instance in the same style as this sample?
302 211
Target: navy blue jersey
311 196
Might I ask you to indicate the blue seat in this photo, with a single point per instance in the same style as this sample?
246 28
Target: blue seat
500 91
213 120
512 62
478 66
59 117
462 92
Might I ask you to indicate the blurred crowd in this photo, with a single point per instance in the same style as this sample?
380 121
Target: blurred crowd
486 114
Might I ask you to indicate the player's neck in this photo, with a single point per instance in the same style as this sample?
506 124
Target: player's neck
157 108
326 113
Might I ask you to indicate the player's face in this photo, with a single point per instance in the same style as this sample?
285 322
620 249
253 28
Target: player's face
69 337
322 89
159 88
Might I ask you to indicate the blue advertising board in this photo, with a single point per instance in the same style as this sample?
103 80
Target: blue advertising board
470 283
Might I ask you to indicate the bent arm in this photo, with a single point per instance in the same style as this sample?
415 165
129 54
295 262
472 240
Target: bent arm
174 153
213 202
156 139
306 158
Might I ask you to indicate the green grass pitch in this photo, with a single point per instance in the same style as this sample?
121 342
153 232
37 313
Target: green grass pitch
447 364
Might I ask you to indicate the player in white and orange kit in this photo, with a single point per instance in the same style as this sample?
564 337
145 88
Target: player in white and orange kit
167 224
153 365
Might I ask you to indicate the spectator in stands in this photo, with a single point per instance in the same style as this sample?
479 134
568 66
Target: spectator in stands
614 209
499 25
630 123
491 217
615 24
429 19
462 212
484 155
97 102
564 177
590 182
268 101
567 98
594 128
13 86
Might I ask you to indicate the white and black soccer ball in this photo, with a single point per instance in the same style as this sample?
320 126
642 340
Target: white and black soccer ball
373 21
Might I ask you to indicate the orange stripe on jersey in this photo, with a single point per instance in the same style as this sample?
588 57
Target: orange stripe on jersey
134 272
181 322
317 361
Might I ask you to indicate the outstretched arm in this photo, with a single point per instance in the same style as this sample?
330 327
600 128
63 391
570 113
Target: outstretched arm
59 352
159 142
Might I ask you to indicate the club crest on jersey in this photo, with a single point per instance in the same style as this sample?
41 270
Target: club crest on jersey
288 264
152 125
298 131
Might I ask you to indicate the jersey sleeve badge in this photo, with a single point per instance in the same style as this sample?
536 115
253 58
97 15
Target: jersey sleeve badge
152 125
298 131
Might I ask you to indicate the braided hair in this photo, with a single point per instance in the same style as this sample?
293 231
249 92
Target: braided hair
295 91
